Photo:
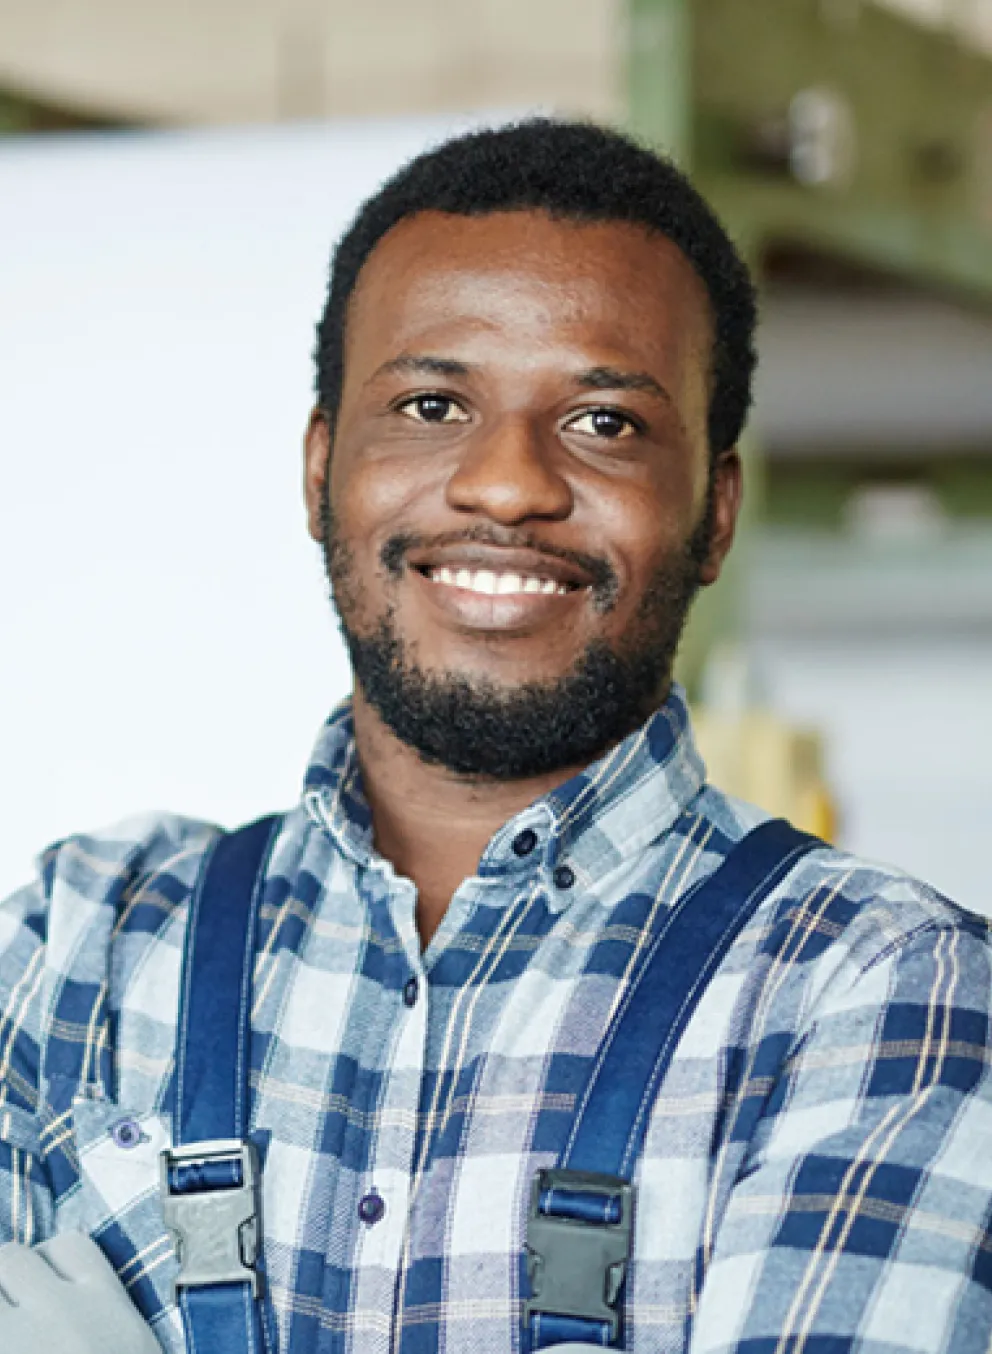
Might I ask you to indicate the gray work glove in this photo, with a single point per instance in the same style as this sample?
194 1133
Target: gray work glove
64 1295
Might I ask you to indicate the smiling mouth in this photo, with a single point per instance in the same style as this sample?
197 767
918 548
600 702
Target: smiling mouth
497 583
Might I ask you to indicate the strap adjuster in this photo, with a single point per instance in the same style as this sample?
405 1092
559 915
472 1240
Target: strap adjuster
578 1245
210 1198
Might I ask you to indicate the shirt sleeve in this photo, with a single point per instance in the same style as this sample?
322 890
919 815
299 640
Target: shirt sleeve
26 1201
860 1219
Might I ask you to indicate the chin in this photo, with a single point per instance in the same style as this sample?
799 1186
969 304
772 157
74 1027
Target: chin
477 723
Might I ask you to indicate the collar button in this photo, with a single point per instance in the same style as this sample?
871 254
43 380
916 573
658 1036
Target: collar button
524 842
564 877
127 1133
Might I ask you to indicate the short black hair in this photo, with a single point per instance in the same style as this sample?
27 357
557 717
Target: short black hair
573 171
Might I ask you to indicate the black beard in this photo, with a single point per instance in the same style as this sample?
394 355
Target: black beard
477 728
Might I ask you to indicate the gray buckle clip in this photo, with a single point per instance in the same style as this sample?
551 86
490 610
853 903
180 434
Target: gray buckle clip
577 1268
217 1231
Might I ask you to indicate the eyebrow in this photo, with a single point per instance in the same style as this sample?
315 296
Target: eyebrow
421 365
610 378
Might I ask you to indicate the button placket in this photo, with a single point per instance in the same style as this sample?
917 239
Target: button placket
381 1234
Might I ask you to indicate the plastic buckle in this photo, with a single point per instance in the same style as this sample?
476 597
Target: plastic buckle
216 1230
577 1267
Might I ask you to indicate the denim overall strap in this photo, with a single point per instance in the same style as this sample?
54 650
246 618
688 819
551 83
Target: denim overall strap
210 1175
581 1214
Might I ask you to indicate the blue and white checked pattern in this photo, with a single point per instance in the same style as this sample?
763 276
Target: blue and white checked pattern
817 1174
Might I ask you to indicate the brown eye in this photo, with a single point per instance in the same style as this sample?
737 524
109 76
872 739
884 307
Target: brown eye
604 423
434 409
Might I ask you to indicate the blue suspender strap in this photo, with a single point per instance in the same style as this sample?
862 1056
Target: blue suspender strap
581 1217
210 1176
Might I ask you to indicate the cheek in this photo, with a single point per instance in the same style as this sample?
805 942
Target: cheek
370 498
642 525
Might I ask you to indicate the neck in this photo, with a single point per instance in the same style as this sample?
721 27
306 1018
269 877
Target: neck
430 823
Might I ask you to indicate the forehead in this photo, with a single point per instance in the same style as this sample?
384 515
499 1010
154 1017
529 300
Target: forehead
526 274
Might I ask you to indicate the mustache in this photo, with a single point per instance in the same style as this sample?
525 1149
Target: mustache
604 586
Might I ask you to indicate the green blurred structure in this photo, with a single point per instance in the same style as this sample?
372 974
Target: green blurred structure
835 133
22 113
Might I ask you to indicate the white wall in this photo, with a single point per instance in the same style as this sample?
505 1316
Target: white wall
884 643
909 747
166 637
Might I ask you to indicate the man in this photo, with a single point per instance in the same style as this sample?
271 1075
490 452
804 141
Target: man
532 372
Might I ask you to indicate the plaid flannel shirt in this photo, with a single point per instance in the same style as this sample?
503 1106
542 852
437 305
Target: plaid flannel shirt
817 1174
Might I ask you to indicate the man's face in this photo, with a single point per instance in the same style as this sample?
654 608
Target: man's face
519 504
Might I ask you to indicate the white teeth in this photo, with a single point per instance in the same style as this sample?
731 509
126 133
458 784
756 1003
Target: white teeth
490 583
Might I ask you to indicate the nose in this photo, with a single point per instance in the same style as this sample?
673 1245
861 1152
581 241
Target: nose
508 475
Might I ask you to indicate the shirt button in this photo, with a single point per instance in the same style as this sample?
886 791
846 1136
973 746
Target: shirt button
524 842
411 990
126 1134
371 1208
564 877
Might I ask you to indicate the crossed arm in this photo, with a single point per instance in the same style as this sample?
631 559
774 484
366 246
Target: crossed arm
64 1295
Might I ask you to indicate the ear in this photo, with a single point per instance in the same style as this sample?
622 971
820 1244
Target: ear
728 494
316 450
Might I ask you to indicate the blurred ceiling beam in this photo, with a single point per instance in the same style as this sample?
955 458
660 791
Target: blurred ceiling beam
970 19
220 61
845 374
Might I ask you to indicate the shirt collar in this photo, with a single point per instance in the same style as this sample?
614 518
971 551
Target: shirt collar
332 789
594 821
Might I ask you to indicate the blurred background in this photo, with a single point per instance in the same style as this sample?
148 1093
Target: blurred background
172 178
